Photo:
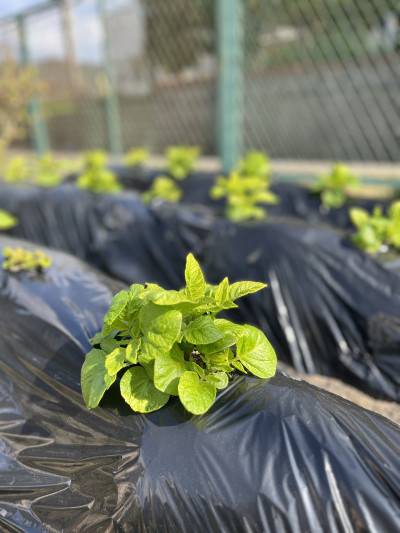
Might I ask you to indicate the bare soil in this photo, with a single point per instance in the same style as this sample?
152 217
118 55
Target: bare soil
390 410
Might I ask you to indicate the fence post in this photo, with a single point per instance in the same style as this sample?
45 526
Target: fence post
230 81
112 107
39 133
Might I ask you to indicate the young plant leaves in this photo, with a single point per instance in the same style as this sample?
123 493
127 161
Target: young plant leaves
255 352
168 368
95 378
171 343
161 335
202 331
139 392
195 284
196 395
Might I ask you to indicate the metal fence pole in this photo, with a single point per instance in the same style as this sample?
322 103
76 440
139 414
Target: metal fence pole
230 81
112 107
39 133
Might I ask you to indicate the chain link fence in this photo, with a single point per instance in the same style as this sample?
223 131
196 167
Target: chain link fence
320 78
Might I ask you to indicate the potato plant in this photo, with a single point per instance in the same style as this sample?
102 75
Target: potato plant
255 164
45 170
376 230
17 170
243 194
136 157
48 172
16 259
96 177
333 187
163 188
181 160
164 343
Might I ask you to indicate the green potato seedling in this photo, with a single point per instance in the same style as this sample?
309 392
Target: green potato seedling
163 188
181 160
243 194
96 177
376 230
16 259
164 343
136 157
332 187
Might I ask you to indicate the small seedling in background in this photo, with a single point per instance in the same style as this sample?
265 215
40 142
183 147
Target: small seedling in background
170 343
136 157
333 187
181 160
163 188
243 195
95 159
48 171
7 221
96 176
376 230
255 164
19 259
17 170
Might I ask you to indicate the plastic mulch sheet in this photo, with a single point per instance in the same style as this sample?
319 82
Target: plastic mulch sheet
330 308
271 455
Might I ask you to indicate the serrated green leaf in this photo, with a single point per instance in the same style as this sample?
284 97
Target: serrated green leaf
115 361
217 356
161 335
149 313
221 293
196 368
109 345
359 217
139 392
171 298
132 350
196 395
195 284
97 339
202 331
222 366
241 288
118 304
95 379
239 366
219 379
135 291
230 334
256 353
168 368
153 286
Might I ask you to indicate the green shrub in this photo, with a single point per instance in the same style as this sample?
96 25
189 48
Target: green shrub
164 188
255 164
376 230
181 160
136 157
19 259
243 195
96 176
333 187
170 343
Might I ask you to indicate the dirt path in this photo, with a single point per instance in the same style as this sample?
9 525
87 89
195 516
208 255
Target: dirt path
390 410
